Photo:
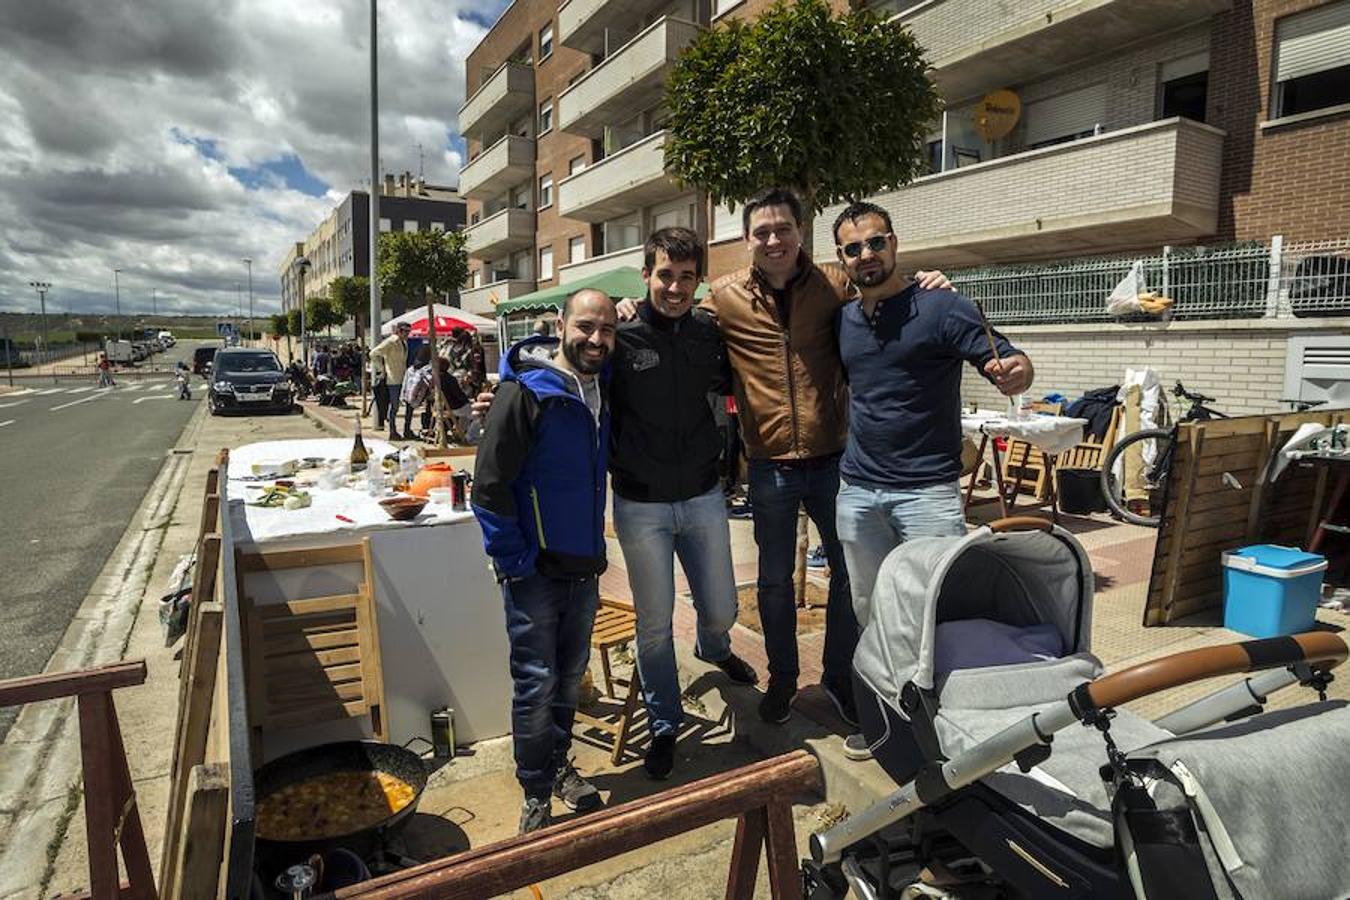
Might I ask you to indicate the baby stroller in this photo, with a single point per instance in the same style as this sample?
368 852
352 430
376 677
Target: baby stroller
1022 775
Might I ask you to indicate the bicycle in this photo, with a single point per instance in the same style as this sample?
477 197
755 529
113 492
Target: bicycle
1157 447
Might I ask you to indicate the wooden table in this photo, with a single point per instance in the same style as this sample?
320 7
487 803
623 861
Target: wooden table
1051 435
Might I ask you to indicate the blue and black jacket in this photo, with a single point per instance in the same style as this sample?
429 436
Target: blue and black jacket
539 484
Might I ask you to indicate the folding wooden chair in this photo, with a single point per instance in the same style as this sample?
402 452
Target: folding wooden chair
615 624
1023 462
314 659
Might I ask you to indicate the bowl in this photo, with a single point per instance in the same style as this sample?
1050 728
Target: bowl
440 495
402 509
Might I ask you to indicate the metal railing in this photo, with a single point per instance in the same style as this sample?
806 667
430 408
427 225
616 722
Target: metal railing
1237 281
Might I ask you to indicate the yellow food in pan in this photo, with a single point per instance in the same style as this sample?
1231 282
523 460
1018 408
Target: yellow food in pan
331 805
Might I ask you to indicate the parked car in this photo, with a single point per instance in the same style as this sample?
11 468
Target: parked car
245 379
119 352
201 359
168 338
10 355
139 351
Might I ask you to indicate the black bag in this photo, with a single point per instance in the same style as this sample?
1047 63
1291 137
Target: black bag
1080 491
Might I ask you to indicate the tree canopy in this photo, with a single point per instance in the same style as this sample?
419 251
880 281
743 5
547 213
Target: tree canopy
415 263
350 295
834 106
280 325
321 314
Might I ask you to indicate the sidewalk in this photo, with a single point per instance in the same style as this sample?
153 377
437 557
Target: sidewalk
475 794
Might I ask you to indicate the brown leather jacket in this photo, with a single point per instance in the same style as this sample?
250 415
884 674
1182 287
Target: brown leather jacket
789 384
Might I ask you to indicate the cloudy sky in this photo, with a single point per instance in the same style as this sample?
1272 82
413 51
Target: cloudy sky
172 138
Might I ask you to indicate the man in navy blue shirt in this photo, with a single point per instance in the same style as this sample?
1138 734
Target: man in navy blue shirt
903 348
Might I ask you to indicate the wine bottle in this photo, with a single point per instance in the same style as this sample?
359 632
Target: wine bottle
360 456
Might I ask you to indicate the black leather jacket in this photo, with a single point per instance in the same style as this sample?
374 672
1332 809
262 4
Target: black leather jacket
664 442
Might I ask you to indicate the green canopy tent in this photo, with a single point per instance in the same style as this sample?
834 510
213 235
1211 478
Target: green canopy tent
620 282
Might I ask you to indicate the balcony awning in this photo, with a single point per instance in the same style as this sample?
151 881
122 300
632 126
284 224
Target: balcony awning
620 282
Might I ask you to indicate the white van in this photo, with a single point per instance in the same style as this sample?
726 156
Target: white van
119 352
167 338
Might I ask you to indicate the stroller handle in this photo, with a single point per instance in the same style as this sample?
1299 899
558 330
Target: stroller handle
1321 649
1020 523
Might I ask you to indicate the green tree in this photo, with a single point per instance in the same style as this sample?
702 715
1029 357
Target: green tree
280 324
321 314
293 322
835 107
426 264
350 294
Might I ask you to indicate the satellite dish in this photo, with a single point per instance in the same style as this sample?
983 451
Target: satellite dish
996 114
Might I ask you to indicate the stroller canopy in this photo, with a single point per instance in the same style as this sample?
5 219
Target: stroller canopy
1024 578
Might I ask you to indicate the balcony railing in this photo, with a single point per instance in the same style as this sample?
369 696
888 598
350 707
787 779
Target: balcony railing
582 23
596 265
483 300
630 179
628 81
1148 185
501 232
498 168
506 95
975 46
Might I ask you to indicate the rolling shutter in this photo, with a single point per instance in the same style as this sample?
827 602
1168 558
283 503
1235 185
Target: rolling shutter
1313 41
1068 114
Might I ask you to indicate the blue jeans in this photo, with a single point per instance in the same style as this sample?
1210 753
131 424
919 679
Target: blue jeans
873 522
548 624
777 491
652 535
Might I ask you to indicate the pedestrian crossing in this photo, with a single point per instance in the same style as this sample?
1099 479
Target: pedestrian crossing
68 396
122 387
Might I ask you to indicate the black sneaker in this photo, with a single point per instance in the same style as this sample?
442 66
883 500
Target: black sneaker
842 699
776 705
660 757
737 669
575 792
816 559
741 511
535 814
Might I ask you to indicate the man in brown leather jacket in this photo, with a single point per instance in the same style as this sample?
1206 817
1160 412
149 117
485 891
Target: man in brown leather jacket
777 318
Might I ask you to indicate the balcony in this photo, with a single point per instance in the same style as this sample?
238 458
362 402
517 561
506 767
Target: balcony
497 169
507 95
630 179
581 23
500 233
975 46
483 300
630 80
1144 186
597 265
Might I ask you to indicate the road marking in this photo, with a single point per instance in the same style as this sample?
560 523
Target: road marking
10 422
15 403
132 387
49 391
158 397
79 390
77 402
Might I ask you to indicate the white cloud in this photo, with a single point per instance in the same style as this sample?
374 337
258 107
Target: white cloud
97 98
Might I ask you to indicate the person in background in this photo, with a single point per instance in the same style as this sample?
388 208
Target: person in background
393 355
105 376
466 353
379 390
416 381
539 496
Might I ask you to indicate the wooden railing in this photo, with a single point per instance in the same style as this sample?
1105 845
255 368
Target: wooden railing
111 817
759 796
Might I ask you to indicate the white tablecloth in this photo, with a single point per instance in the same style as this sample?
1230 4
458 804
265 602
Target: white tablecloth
258 523
1049 434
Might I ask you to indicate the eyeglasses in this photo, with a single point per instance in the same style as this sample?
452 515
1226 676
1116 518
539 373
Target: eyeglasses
876 243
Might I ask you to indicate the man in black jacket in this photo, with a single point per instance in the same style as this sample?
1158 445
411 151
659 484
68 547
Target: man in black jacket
668 501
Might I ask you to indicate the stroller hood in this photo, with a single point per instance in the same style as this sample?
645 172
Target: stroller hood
1019 578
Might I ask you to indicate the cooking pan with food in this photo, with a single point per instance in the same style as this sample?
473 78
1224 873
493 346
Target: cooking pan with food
351 794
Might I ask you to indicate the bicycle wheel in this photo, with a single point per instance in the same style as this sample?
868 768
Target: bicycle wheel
1155 445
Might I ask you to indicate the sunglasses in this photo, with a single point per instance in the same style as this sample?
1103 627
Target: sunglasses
876 243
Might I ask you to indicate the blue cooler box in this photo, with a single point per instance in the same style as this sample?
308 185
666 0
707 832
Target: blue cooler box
1270 590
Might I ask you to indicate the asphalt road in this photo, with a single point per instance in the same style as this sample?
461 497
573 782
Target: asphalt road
75 464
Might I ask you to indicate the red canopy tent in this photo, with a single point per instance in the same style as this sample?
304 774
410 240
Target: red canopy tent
448 318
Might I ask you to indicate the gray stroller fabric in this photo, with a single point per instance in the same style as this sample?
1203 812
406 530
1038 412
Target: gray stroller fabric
1065 790
1271 798
1021 579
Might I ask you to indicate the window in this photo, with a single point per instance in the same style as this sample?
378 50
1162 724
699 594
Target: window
477 278
576 249
386 225
725 224
1183 87
545 263
1312 60
546 116
546 42
576 165
546 191
438 227
410 226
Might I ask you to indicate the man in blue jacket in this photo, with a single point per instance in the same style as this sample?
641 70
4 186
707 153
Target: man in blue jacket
539 494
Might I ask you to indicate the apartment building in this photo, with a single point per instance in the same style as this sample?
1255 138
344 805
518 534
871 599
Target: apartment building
340 244
1146 129
565 177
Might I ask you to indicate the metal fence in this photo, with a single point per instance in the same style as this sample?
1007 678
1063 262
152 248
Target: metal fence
1237 281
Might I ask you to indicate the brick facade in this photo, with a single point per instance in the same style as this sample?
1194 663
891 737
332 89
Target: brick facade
1292 179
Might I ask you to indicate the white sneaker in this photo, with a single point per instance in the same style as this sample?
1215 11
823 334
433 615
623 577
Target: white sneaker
856 748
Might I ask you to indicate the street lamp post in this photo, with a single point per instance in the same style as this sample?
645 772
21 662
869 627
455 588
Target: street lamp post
248 261
154 307
42 287
301 266
117 295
